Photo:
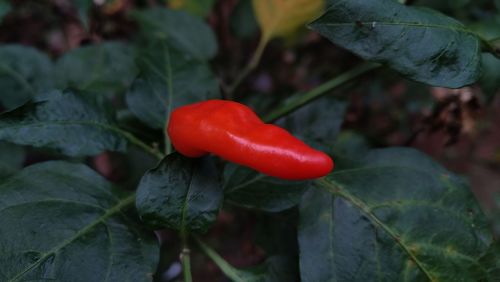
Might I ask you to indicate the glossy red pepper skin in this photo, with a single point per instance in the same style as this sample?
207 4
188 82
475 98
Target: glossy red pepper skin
235 133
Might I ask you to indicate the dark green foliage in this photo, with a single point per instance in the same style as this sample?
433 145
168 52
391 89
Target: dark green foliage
24 71
381 215
185 32
248 188
63 222
180 193
169 79
398 216
75 124
11 158
104 68
319 121
420 43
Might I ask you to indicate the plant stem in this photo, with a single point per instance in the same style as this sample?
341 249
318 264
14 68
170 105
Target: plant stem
186 265
186 256
300 99
252 64
227 269
137 142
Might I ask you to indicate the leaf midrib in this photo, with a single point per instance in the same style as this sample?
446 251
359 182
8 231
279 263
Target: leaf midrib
185 207
67 122
18 77
109 212
405 24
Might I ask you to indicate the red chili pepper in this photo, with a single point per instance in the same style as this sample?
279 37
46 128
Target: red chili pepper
235 133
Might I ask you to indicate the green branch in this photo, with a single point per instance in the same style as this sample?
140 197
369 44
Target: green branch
137 142
300 99
227 269
252 64
186 263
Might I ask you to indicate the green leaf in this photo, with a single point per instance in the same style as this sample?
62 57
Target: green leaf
180 193
490 81
24 71
491 260
106 67
11 158
169 79
320 120
5 8
74 124
63 222
247 188
420 43
398 216
184 32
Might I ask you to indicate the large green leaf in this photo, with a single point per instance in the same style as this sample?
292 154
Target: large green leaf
63 222
24 72
74 124
184 32
180 193
106 67
420 43
169 79
397 216
11 158
247 188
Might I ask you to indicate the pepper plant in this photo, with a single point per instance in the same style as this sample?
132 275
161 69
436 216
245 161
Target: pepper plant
382 214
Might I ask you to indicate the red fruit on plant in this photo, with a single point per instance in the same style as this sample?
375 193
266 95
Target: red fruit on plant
235 133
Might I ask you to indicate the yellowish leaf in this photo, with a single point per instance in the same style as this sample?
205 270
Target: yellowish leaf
199 8
177 4
283 17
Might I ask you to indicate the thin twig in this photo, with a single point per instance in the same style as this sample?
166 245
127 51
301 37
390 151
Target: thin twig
300 99
227 269
252 64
